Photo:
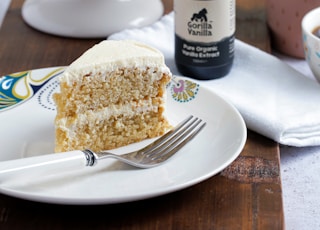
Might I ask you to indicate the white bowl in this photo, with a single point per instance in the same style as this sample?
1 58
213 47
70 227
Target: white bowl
311 43
90 18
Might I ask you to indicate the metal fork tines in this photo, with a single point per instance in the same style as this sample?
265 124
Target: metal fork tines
158 151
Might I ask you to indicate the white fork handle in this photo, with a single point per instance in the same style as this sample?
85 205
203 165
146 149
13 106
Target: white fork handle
62 161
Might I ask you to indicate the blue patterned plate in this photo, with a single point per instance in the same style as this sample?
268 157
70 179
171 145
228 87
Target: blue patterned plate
27 113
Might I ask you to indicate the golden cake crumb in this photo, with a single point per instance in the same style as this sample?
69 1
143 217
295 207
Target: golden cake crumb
109 99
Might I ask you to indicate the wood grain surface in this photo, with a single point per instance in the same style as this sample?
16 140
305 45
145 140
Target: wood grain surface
246 195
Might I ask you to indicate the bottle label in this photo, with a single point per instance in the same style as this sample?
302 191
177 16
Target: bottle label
204 31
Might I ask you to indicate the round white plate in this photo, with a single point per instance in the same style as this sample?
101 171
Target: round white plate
90 19
27 114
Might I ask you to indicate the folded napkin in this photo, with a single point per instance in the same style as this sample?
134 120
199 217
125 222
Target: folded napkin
274 99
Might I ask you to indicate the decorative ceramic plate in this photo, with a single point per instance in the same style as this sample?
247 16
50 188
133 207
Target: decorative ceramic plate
27 113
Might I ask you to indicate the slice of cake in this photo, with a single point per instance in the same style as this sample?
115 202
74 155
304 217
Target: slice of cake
111 96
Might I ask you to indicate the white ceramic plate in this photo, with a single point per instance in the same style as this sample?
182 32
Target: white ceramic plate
88 19
27 113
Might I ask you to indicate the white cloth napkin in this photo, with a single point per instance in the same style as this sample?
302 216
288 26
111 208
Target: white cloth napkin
274 99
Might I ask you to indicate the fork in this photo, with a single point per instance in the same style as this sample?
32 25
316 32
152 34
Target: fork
152 155
158 151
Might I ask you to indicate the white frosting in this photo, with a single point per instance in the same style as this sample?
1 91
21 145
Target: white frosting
111 55
105 114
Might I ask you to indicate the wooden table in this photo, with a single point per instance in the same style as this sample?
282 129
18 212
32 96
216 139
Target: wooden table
246 195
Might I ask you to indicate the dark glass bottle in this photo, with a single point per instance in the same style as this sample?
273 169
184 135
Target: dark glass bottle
204 37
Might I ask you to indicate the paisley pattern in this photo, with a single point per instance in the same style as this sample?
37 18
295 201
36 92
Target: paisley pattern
19 87
45 98
183 90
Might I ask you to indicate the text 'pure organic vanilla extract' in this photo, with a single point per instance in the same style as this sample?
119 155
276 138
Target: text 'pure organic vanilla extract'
204 37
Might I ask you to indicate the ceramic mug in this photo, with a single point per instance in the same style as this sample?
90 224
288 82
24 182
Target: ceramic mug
284 20
311 42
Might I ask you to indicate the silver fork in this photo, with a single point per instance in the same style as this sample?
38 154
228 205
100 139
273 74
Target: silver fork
152 155
158 151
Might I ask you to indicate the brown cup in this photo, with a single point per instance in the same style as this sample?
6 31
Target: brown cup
284 20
